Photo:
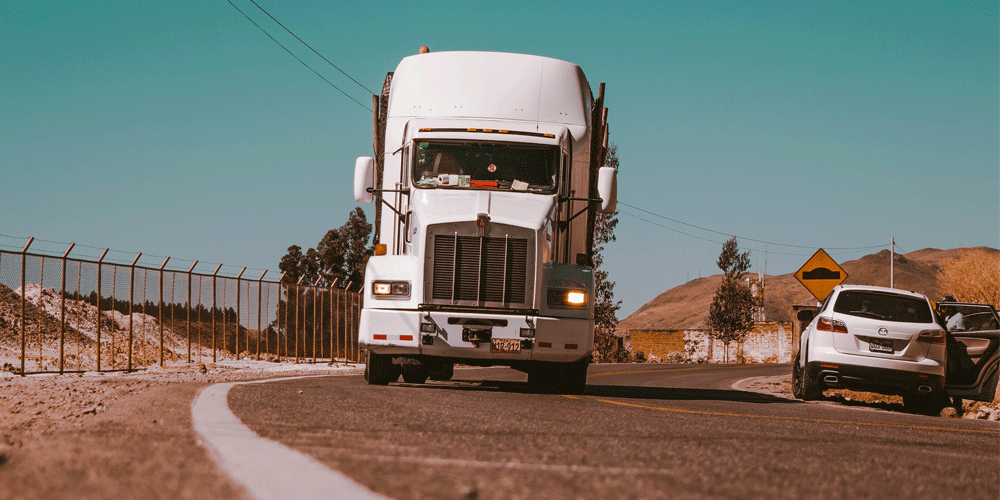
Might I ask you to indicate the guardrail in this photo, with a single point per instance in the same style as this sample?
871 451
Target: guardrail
62 314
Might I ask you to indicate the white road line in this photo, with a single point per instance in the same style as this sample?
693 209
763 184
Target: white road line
267 469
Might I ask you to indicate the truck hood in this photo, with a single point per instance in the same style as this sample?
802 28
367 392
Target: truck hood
437 206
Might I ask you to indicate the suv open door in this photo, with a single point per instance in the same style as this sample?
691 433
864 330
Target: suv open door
977 330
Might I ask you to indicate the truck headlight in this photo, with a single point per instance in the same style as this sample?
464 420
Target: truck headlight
391 289
562 297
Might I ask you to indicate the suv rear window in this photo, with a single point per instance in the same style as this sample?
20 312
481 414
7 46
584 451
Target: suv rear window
883 306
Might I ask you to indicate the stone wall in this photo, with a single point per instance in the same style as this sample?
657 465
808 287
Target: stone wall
767 343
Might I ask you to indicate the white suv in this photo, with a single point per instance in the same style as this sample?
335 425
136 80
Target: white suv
873 339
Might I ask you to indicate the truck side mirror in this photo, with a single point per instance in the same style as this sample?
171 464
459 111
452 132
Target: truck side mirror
364 178
607 189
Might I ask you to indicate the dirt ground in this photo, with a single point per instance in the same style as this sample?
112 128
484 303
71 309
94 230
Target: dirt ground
117 435
129 435
782 387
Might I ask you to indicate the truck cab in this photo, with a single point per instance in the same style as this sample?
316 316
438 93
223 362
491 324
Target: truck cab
488 174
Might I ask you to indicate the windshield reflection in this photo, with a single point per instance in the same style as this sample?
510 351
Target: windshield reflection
485 165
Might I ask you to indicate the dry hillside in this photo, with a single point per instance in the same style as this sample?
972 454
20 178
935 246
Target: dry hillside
686 306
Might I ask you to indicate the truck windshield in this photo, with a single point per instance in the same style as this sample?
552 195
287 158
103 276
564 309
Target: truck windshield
485 165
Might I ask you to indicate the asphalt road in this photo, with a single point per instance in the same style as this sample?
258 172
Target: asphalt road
640 431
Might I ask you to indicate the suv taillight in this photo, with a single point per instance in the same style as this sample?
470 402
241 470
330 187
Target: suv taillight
931 337
831 325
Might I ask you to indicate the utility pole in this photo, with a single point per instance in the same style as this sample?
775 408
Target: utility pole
892 260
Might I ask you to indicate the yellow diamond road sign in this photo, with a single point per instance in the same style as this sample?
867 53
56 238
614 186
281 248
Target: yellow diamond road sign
820 274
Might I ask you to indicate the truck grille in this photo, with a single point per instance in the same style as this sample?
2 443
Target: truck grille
479 270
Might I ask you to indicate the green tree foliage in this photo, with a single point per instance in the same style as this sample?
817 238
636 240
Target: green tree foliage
339 257
608 346
730 317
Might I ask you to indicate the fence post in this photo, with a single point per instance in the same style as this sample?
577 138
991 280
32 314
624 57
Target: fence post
214 309
315 288
355 312
277 320
333 353
287 303
189 272
298 323
260 288
99 267
239 278
131 300
161 308
24 291
62 310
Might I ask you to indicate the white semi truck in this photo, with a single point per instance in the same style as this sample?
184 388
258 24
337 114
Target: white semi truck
488 175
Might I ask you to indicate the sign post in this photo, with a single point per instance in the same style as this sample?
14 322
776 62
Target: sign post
820 274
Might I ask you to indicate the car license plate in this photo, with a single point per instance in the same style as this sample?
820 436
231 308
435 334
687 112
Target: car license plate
880 345
505 345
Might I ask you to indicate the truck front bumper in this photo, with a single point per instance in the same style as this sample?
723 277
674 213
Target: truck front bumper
454 334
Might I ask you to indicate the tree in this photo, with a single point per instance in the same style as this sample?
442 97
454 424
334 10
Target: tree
730 317
607 344
973 277
340 256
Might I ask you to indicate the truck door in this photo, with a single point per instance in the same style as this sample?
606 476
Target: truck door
975 376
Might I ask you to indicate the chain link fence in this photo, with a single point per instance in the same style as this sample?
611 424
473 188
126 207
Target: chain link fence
64 314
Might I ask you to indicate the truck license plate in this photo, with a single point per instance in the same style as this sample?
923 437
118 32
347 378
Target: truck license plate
880 345
505 345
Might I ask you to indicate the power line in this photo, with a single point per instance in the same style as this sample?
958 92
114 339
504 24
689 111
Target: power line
297 57
695 236
310 48
733 235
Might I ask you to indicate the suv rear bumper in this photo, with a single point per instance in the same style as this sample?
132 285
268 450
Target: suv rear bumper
880 380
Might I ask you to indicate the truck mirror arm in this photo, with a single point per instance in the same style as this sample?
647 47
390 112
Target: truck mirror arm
590 204
377 193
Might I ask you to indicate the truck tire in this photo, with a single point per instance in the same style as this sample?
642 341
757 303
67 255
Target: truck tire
414 373
573 377
445 373
379 369
543 377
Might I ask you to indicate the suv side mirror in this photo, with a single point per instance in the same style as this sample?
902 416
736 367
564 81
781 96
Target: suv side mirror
607 189
364 178
805 316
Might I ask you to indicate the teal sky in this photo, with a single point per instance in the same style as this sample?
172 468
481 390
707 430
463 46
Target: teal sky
179 129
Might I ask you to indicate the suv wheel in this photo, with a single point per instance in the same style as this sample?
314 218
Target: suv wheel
802 386
924 404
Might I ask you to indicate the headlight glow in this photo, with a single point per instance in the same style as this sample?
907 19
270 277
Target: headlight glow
391 289
561 297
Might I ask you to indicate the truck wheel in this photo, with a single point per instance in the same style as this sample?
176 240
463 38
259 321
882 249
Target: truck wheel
414 373
379 369
543 377
573 377
445 373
